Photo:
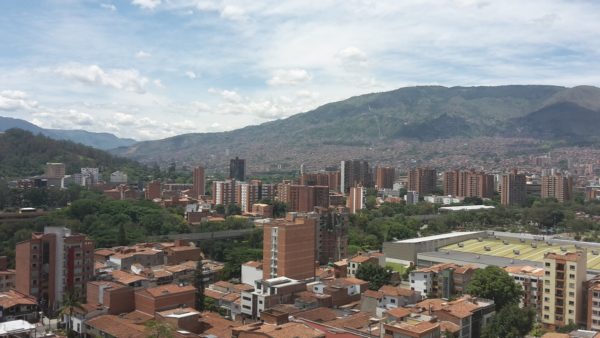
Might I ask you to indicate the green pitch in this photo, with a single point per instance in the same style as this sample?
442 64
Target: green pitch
526 251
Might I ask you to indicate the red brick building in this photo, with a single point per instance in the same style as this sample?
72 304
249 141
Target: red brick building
289 247
53 262
164 297
384 177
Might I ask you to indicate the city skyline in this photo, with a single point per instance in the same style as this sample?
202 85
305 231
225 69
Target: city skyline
149 69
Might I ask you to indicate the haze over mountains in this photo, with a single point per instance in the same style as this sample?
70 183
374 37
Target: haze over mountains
103 141
555 114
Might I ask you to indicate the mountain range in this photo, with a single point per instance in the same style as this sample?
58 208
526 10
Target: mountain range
103 141
371 125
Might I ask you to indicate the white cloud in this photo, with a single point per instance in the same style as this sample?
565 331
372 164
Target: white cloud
110 7
234 13
190 74
228 95
352 56
289 77
15 100
123 79
147 4
200 107
158 83
142 55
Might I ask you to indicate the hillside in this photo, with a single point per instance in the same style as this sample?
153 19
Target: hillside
97 140
368 125
25 154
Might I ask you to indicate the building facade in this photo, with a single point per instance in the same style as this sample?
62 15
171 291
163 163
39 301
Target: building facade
564 277
384 177
237 169
353 173
198 182
513 190
289 247
422 180
52 263
557 186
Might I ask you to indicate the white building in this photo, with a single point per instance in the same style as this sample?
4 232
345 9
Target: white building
251 272
118 177
268 293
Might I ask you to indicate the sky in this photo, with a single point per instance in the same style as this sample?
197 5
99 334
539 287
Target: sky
150 69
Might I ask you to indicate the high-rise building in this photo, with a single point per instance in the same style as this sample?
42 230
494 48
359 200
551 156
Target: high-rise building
248 194
468 184
55 170
422 180
513 190
237 169
384 177
331 239
411 197
353 173
198 182
557 186
564 278
223 192
303 198
289 247
319 178
356 199
153 190
52 263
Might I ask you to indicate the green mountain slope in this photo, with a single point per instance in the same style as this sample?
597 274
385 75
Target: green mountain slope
97 140
25 154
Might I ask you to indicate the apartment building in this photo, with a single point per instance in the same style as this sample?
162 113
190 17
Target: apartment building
461 183
422 180
531 279
289 247
557 186
268 293
564 277
513 190
353 173
198 182
356 199
441 280
223 192
52 263
384 177
237 169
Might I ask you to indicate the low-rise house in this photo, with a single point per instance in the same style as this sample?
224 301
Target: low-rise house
342 290
355 262
270 292
441 280
386 298
164 297
18 306
531 279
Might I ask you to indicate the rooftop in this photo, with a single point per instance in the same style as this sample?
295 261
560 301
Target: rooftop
437 237
466 208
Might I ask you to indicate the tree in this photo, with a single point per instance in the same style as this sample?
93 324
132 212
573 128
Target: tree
199 285
510 322
70 303
496 284
122 236
156 329
233 209
376 275
220 209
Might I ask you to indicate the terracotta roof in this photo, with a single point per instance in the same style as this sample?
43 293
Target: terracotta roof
361 259
344 282
525 270
465 268
168 289
11 298
161 273
569 256
399 312
108 284
116 326
373 294
178 311
224 284
254 264
126 277
182 248
449 326
320 314
214 294
438 267
419 328
297 330
213 323
394 291
138 317
243 287
104 252
355 321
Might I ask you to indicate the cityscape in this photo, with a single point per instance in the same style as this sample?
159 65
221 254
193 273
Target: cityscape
331 169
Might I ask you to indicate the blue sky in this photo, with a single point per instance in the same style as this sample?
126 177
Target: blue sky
150 69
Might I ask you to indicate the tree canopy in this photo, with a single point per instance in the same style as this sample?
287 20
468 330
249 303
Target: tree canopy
496 284
376 275
510 322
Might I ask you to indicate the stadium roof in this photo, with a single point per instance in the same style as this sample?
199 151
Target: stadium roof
466 208
436 237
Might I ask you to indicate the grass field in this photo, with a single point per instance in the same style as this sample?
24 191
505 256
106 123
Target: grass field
396 267
526 252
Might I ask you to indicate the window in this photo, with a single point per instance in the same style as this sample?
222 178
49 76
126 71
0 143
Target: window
572 267
572 276
571 294
547 264
546 317
547 273
393 301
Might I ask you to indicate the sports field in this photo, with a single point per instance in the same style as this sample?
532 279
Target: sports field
526 251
